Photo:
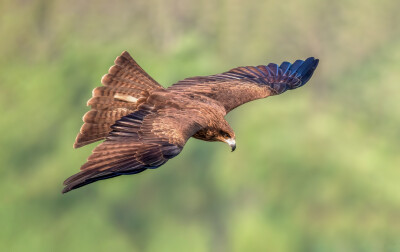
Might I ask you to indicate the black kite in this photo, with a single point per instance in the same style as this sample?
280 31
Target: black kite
145 124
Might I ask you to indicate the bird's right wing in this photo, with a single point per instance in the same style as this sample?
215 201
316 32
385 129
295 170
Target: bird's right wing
243 84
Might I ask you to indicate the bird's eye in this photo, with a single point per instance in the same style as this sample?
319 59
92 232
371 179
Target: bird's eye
224 134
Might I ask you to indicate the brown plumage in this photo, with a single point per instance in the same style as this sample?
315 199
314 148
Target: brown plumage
145 125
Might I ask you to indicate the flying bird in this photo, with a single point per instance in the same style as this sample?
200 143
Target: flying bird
144 125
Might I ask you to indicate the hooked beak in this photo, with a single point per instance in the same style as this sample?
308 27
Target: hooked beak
231 143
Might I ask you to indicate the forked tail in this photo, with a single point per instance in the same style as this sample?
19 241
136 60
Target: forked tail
124 85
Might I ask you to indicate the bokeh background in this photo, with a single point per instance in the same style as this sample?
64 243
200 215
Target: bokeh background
316 169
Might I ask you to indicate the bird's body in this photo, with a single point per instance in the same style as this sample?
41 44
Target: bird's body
145 125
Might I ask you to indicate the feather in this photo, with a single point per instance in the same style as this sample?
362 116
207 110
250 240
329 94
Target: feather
244 84
125 86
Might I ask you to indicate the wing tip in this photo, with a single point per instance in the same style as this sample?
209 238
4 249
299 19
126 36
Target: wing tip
307 71
65 190
77 180
294 75
303 71
89 176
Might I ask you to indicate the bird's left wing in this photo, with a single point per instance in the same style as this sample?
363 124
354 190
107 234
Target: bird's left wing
142 140
243 84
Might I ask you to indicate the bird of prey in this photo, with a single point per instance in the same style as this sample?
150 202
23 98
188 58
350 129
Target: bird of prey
144 125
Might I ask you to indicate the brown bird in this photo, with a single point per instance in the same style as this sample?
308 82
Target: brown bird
144 125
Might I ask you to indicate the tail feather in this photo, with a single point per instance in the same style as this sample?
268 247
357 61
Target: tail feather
125 84
106 116
109 102
112 91
126 67
82 139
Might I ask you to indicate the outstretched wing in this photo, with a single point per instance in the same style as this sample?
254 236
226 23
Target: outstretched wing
142 140
244 84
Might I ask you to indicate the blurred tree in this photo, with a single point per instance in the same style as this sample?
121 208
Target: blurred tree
314 171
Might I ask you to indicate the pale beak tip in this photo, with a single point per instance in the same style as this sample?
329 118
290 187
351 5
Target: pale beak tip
231 143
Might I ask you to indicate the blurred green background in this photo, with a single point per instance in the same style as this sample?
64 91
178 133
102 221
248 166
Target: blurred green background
316 169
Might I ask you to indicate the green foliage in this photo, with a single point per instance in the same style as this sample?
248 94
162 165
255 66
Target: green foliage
316 169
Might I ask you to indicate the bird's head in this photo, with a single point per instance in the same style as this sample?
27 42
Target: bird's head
220 132
225 134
